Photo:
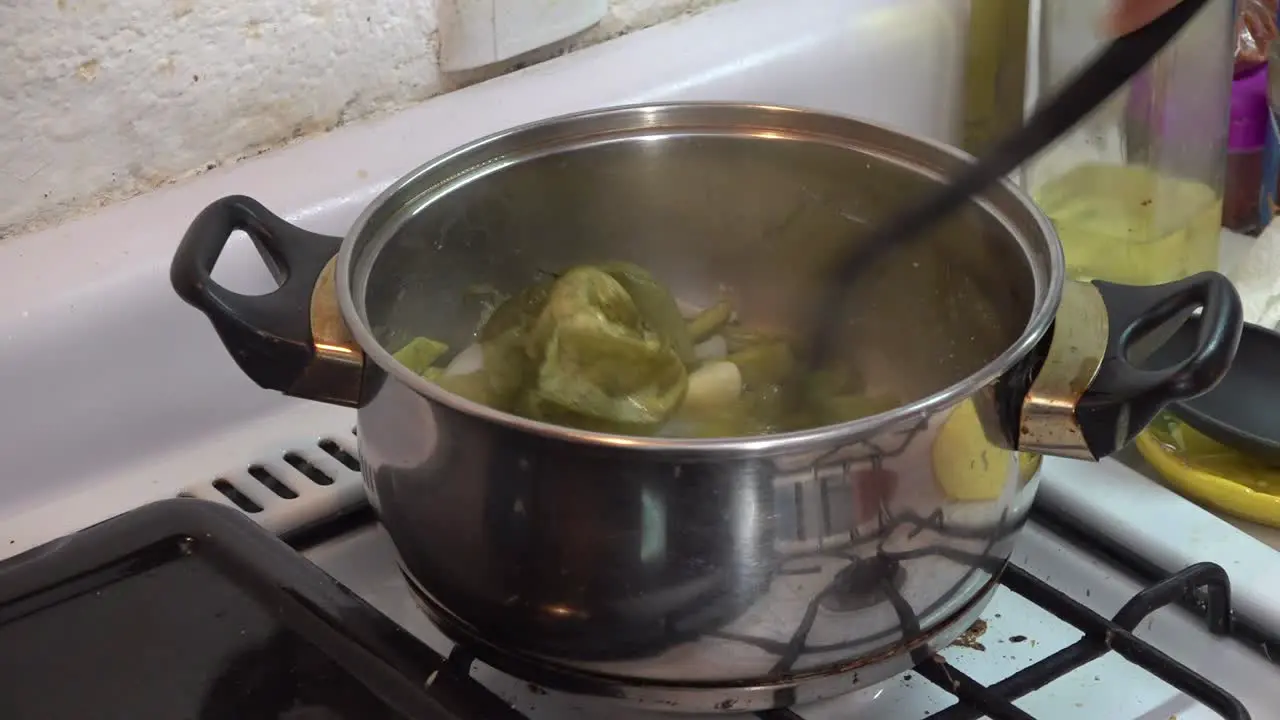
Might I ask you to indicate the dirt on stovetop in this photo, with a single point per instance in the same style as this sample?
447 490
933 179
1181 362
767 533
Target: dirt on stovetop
972 637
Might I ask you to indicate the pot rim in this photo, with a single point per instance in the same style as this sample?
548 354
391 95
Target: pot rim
1048 295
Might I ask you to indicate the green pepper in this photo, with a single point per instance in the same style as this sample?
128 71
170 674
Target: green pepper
710 321
598 366
420 354
588 297
657 307
516 313
507 366
605 348
606 379
505 342
475 387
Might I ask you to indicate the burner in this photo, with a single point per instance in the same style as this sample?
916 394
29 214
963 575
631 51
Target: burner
865 583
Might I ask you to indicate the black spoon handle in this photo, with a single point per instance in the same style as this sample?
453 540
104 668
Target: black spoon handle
1108 72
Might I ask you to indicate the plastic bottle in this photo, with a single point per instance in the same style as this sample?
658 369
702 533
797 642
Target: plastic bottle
1135 192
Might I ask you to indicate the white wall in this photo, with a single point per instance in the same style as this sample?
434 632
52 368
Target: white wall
103 99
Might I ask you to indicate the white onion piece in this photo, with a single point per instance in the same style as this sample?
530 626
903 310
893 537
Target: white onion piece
470 360
712 386
713 348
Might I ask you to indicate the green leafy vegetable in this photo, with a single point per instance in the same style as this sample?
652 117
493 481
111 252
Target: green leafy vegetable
605 348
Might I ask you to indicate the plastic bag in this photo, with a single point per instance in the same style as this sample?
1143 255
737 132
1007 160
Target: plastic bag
1255 30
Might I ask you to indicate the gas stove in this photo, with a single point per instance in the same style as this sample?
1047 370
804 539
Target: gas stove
230 624
1078 627
117 394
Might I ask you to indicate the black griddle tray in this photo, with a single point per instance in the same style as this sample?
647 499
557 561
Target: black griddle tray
187 610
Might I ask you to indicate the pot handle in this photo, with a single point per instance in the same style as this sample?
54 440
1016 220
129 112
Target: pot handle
292 339
1124 398
1090 396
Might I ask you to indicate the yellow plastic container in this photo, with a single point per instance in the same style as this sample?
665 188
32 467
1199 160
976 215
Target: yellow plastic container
1211 473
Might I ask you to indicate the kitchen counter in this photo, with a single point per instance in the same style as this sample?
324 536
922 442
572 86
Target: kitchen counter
1261 533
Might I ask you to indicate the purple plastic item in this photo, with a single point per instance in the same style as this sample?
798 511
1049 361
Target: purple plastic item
1245 180
1250 116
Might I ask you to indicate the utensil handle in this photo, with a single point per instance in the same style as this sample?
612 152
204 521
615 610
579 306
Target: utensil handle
1119 62
1124 397
269 336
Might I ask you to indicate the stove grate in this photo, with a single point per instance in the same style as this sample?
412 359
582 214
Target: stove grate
1101 635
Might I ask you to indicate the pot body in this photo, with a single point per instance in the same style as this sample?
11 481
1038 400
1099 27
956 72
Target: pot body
617 572
756 562
726 574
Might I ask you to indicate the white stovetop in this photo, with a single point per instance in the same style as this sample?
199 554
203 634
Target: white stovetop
115 393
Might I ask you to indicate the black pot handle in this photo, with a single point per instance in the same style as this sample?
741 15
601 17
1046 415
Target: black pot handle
269 336
1124 397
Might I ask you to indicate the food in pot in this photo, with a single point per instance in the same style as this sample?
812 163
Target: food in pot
607 348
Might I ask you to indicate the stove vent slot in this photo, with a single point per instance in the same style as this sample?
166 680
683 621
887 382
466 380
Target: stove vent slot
238 498
293 487
312 473
270 482
337 453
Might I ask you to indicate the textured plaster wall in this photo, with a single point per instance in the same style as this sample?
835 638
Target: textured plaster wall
103 99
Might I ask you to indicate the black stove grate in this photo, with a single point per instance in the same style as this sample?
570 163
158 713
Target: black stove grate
1101 636
1203 588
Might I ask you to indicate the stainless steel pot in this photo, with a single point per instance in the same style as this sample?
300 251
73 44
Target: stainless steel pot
701 575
